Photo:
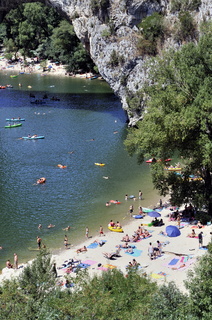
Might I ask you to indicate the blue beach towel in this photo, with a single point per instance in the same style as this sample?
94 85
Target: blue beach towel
136 253
92 246
173 262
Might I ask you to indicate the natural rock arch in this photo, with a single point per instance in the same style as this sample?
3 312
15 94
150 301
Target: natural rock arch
108 28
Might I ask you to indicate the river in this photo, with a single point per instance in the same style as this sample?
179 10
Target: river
86 126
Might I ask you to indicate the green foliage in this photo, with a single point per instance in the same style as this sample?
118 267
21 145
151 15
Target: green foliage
169 303
34 29
199 284
80 60
30 24
187 27
134 101
152 29
111 295
185 5
179 118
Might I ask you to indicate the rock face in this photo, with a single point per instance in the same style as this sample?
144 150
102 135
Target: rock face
109 31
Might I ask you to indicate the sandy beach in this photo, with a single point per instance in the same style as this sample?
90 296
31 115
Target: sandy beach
179 254
52 68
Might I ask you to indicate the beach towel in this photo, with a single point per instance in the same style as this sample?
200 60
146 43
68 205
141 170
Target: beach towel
89 262
92 245
144 238
135 253
173 262
108 266
184 266
158 275
131 245
83 265
196 237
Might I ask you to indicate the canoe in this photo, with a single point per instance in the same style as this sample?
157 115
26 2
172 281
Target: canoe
99 164
150 160
13 125
13 76
33 138
61 166
16 119
115 229
173 169
115 201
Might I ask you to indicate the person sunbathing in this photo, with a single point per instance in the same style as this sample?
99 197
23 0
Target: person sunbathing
139 230
82 249
129 250
199 225
181 266
192 234
126 238
145 234
125 245
112 254
135 238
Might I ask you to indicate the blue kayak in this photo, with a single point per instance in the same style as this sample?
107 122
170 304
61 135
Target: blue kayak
33 137
16 119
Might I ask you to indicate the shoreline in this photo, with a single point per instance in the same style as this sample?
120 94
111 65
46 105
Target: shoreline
55 70
158 270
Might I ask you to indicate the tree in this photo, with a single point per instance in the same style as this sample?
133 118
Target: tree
179 119
199 284
63 41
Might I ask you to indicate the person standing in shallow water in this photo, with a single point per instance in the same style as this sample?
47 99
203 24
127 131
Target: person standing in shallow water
86 232
15 261
66 241
39 242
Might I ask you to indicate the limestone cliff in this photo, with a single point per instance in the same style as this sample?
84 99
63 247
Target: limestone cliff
109 30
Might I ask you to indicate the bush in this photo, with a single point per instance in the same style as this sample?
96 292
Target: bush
185 5
152 27
187 27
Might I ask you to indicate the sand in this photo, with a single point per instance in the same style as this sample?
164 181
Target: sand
182 250
54 69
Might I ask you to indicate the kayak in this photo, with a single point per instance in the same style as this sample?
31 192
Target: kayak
16 119
33 138
115 229
99 164
61 166
115 201
150 160
13 125
173 169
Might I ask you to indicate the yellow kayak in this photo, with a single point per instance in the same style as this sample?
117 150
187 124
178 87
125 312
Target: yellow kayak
173 169
115 229
99 164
